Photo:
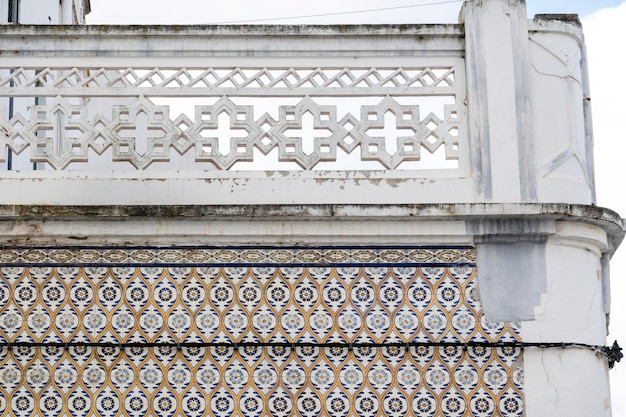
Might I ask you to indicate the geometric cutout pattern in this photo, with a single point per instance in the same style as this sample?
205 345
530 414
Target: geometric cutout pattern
230 78
59 131
365 313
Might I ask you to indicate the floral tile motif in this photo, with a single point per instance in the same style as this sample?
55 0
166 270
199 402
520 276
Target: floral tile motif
386 303
239 255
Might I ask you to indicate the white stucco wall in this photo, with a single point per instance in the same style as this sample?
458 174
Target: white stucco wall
571 382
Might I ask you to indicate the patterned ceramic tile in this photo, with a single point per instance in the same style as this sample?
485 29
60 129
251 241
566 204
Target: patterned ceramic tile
402 295
253 256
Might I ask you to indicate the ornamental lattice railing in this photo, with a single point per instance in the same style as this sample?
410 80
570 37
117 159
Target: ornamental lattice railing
220 98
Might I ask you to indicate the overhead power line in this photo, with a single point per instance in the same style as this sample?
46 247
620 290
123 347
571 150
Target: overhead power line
337 13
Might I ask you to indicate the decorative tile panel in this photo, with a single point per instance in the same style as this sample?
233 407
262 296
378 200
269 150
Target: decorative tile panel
273 256
399 334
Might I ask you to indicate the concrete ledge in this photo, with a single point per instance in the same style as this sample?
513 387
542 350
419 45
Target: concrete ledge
333 222
96 41
566 18
556 211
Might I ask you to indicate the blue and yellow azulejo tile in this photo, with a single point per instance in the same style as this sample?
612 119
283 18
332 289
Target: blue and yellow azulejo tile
251 332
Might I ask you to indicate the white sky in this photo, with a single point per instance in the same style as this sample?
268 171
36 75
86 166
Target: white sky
603 23
603 30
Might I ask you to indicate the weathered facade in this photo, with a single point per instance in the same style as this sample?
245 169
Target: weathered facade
303 220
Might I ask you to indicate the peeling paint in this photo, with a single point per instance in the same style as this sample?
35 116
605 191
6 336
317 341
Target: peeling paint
394 183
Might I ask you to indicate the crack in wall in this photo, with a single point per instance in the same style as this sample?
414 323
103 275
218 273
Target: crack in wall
557 76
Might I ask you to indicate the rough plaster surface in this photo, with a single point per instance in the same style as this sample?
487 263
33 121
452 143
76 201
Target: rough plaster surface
548 372
511 265
511 279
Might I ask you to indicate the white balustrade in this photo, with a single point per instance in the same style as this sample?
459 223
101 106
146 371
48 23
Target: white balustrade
386 105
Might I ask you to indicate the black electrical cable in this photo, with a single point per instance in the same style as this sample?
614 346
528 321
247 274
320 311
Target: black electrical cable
613 353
